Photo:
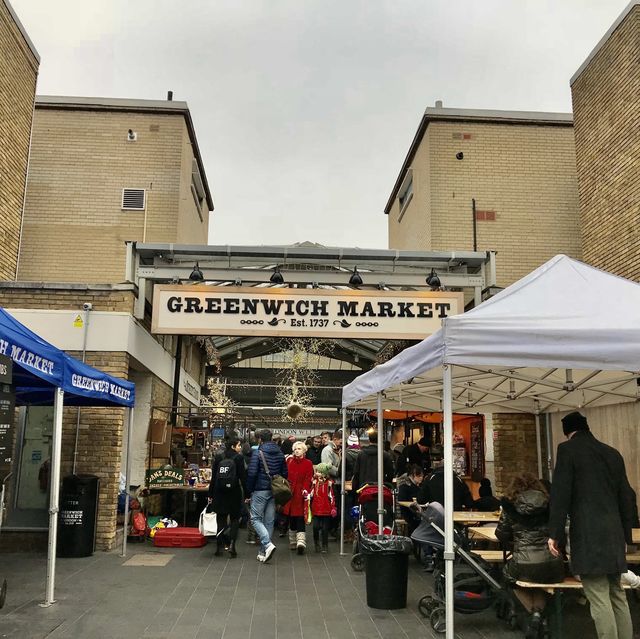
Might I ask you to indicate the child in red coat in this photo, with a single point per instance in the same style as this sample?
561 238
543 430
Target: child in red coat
323 506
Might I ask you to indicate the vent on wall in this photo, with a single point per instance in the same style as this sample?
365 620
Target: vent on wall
133 199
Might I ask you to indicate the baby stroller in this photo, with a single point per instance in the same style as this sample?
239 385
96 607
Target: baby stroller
366 514
474 590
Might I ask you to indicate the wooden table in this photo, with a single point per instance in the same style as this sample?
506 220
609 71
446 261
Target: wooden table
483 532
471 517
635 535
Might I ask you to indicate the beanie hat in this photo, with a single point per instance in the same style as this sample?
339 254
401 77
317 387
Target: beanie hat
573 422
424 442
485 488
323 469
353 440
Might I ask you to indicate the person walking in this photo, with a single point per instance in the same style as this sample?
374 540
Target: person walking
590 487
323 506
269 457
332 457
300 476
226 493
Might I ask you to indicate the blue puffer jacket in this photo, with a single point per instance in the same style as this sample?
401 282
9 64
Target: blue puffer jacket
257 479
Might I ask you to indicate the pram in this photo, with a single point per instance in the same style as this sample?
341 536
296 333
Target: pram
473 591
3 587
366 514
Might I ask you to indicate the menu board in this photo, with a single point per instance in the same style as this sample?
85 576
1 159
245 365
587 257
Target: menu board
7 403
477 451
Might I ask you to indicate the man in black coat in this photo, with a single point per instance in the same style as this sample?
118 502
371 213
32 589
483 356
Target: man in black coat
366 467
590 486
415 454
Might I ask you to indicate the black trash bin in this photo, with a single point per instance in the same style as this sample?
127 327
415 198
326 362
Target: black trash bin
387 570
77 516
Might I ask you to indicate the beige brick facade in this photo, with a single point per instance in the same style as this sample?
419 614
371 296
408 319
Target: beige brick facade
606 104
520 168
81 160
18 74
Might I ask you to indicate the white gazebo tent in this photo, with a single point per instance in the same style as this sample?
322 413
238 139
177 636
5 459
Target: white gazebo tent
565 337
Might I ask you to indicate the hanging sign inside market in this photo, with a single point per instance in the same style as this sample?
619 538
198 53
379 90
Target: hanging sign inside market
165 477
290 312
7 417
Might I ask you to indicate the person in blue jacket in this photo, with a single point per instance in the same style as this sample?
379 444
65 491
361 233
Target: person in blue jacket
263 507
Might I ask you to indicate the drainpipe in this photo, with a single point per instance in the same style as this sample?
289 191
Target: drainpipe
87 309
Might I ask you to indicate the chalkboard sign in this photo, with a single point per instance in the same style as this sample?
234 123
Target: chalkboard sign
477 451
7 403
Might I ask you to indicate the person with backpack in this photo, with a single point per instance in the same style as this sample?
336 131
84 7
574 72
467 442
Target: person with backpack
266 462
226 491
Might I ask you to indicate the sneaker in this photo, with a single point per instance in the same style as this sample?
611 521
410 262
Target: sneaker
250 541
268 552
260 557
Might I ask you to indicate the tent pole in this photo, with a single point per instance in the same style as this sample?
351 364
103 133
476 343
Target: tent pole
539 445
127 480
547 422
343 492
54 496
449 555
380 467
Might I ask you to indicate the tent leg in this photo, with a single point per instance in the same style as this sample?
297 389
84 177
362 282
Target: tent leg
549 438
54 496
127 480
539 445
343 492
449 555
380 466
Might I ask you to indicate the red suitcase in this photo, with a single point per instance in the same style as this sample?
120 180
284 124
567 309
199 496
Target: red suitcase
179 538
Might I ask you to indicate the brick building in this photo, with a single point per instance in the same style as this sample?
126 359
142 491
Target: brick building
518 166
606 105
104 172
19 62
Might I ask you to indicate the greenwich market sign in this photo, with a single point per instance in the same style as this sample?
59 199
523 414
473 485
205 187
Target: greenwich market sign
289 312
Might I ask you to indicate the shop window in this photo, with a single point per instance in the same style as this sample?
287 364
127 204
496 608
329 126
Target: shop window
405 195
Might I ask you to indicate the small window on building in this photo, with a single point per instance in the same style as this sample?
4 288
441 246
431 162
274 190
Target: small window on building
133 199
405 195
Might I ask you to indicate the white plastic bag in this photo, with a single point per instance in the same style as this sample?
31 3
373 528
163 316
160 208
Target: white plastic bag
208 523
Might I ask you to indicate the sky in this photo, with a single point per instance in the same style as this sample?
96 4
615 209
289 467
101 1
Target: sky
304 111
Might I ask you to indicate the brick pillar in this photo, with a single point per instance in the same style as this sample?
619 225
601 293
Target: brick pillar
514 447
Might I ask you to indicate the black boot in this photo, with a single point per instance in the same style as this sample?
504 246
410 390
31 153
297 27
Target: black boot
219 546
232 549
325 548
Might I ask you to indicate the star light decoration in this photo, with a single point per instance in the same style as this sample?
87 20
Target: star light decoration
295 380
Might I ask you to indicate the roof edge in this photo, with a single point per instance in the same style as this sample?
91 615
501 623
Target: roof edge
171 107
22 30
440 114
594 52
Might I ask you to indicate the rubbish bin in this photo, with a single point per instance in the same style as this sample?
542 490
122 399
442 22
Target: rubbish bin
77 516
387 570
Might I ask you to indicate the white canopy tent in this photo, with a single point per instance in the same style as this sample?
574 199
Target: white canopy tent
565 337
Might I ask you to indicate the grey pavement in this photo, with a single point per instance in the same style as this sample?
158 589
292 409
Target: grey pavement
191 594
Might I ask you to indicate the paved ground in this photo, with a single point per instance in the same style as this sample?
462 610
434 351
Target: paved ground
192 595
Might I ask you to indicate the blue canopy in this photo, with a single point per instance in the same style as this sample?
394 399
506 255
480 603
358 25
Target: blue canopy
40 367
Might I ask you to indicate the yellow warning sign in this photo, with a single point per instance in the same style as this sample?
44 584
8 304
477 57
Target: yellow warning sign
77 322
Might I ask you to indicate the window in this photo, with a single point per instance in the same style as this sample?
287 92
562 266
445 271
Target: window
133 199
405 195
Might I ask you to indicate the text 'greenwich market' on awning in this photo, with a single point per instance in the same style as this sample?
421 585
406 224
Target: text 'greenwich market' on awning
311 308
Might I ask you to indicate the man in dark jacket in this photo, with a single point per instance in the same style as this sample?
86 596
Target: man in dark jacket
590 486
417 454
366 466
263 507
432 488
314 451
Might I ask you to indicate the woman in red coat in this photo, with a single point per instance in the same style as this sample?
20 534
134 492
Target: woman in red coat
300 474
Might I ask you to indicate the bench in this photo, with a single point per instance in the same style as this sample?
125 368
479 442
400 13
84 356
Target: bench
490 556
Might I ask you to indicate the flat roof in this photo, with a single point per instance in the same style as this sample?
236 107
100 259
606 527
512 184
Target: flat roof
23 31
170 107
487 116
603 40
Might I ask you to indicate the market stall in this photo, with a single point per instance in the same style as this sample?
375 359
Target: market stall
565 337
44 375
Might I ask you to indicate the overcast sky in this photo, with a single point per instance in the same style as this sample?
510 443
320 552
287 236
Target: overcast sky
304 111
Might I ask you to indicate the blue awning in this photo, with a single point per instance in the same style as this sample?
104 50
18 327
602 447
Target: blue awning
40 367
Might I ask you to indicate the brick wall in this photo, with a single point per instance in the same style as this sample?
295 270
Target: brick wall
524 176
514 447
74 227
607 130
18 74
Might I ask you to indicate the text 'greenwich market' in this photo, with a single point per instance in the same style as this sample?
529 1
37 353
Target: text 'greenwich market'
305 307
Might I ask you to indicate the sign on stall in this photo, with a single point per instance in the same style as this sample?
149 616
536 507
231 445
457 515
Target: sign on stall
165 477
290 312
7 418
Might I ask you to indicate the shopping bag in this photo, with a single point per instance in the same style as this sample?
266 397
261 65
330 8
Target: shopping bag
208 524
280 487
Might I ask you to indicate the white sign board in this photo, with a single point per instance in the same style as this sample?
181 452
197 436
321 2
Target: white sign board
290 312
